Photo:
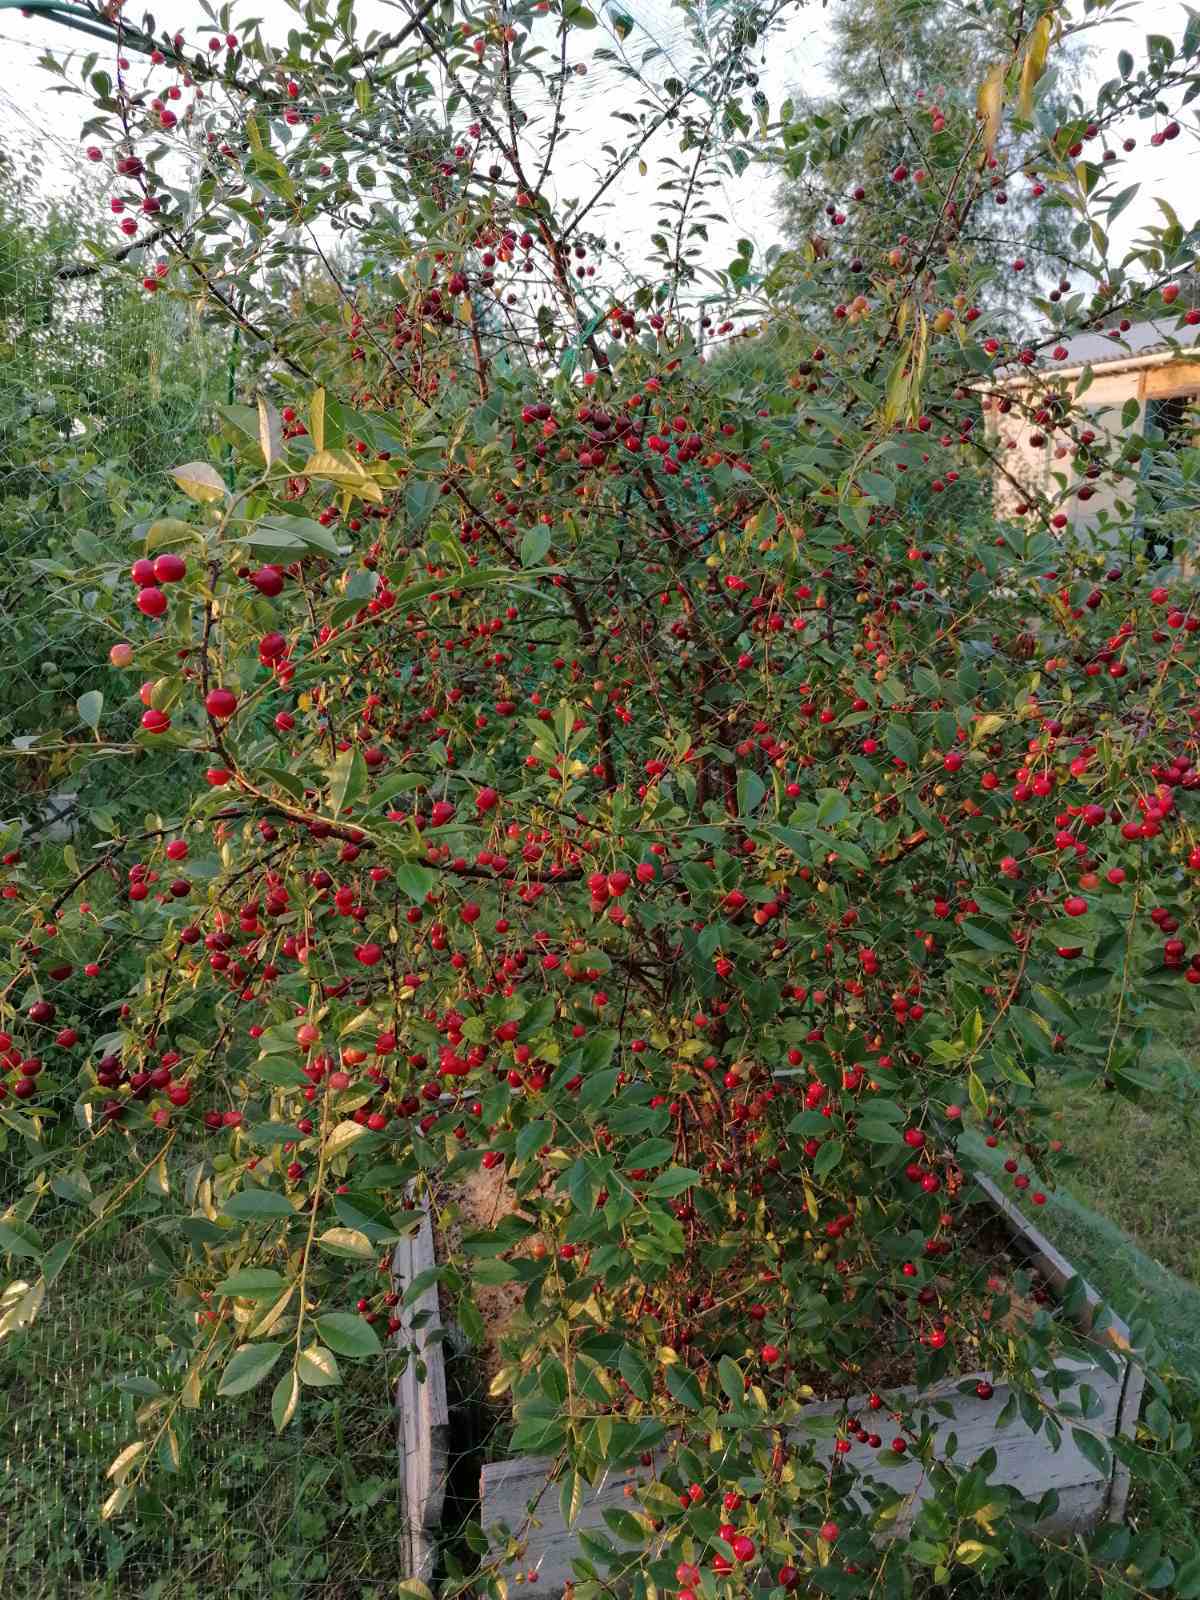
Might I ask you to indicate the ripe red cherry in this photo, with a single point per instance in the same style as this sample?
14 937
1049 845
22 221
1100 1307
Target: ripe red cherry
1075 905
829 1531
142 571
220 703
770 1354
169 568
177 850
742 1547
155 721
268 581
369 955
151 602
486 800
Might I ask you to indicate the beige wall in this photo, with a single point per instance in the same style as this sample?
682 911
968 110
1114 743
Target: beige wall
1024 467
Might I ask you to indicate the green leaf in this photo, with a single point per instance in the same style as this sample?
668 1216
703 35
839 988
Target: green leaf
415 881
348 1334
302 530
879 1132
684 1387
598 1088
254 1205
534 546
1091 1448
20 1239
675 1180
347 779
89 707
252 1283
248 1367
832 806
635 1372
828 1157
750 792
902 742
650 1153
732 1381
977 1091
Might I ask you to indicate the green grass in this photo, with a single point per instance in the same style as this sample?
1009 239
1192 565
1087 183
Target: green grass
312 1515
1126 1213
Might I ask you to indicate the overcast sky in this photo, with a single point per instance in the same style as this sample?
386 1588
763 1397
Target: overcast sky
30 113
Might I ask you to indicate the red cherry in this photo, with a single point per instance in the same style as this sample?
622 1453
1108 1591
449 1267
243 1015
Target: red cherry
151 602
169 568
220 703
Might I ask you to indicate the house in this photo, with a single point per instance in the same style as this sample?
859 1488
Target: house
1142 381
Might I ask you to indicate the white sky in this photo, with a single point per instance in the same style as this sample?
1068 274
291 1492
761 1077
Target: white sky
795 57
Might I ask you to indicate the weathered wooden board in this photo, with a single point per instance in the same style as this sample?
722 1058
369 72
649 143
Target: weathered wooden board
516 1492
422 1414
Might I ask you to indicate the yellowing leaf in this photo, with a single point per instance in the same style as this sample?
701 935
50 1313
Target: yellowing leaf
345 471
316 1367
316 420
1034 64
120 1467
20 1304
348 1242
199 481
116 1502
270 430
343 1136
285 1399
990 105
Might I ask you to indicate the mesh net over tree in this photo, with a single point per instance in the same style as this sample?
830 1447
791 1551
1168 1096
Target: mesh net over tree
560 740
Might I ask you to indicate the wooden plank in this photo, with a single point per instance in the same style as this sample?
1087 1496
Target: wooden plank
1058 1272
508 1489
517 1493
422 1412
1051 1263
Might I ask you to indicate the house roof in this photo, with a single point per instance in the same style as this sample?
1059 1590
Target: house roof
1142 339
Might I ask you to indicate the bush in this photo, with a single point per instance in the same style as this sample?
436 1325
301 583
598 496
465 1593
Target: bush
673 786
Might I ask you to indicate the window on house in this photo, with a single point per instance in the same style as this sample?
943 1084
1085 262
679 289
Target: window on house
1171 423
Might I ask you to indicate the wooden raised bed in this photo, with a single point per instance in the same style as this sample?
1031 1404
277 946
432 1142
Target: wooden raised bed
422 1413
515 1492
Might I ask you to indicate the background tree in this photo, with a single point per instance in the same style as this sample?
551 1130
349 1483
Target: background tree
904 81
